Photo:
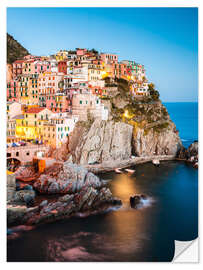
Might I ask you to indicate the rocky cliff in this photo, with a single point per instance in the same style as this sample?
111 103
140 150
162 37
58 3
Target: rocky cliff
138 126
154 133
102 141
146 131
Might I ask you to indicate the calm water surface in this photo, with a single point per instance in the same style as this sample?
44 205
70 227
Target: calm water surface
185 117
125 234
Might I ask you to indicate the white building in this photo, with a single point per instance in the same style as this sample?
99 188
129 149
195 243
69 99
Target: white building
54 65
64 126
82 104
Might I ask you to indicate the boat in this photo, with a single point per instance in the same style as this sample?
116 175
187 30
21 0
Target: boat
118 170
156 162
129 170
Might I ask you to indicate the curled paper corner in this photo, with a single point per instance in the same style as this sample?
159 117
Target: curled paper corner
186 251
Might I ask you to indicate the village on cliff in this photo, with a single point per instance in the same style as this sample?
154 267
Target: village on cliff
72 115
47 95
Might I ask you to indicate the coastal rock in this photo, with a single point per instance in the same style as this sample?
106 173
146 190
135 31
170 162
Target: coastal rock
68 178
137 200
87 201
192 150
155 142
103 141
190 154
24 196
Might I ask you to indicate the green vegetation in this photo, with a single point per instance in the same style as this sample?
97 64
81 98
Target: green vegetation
109 83
123 87
72 52
93 51
160 127
105 98
15 50
153 93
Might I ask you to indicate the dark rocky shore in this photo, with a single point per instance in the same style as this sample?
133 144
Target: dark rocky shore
190 154
79 192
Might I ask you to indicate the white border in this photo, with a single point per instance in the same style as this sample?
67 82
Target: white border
75 3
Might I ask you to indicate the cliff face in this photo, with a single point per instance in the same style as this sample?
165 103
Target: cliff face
154 132
138 126
147 131
103 141
165 142
14 50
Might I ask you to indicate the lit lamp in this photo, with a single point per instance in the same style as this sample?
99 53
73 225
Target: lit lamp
126 114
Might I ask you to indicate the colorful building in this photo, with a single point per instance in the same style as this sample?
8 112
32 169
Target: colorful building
27 127
62 67
57 103
12 90
17 68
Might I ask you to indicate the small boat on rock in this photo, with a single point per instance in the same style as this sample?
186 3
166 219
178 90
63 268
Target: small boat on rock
118 170
156 162
130 171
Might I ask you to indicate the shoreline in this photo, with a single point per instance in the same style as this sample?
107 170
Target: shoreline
112 165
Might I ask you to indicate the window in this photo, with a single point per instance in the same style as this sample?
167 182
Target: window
80 101
17 154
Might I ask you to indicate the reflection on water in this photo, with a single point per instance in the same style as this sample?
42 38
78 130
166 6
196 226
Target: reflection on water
126 234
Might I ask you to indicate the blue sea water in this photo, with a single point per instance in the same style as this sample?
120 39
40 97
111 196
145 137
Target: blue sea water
185 117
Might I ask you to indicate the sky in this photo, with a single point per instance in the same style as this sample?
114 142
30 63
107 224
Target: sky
164 40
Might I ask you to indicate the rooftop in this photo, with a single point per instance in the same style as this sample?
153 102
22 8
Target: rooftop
35 110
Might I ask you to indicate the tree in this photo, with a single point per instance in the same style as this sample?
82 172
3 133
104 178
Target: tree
153 93
94 51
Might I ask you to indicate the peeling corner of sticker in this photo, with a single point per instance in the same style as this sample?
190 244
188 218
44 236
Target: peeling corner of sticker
186 251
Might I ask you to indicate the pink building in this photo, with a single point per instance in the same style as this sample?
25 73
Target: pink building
32 66
108 58
17 68
12 90
49 83
57 103
81 52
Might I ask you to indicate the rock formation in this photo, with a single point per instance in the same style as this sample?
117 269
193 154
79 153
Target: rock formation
147 132
153 142
66 178
190 154
103 141
78 191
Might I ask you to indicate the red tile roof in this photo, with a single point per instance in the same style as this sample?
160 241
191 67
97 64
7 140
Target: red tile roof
19 61
34 110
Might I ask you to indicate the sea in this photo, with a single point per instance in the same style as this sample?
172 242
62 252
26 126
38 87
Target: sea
185 117
124 234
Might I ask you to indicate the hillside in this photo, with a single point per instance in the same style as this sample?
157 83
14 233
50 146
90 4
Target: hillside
14 50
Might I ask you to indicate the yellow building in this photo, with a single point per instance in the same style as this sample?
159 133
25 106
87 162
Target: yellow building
28 124
48 133
61 55
29 89
95 72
